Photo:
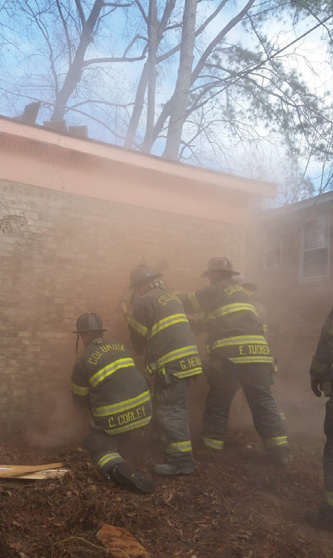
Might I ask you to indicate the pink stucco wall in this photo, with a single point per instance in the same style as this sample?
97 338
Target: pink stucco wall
42 158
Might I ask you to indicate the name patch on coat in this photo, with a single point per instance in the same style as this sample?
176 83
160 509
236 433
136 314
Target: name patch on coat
133 415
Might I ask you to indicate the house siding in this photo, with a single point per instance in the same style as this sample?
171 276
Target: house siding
296 308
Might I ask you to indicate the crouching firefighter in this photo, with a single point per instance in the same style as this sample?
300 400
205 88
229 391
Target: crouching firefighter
159 327
105 380
321 375
238 355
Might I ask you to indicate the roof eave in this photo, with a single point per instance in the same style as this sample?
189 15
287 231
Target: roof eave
129 157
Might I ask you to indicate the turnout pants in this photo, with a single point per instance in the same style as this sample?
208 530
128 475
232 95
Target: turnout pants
171 414
328 457
224 378
103 449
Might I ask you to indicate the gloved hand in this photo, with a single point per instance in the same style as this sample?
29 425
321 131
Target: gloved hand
316 386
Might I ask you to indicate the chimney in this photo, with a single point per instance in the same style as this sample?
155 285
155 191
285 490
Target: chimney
58 126
30 113
78 131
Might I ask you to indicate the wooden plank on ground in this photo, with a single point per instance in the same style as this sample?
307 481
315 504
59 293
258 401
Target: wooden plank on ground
11 471
48 474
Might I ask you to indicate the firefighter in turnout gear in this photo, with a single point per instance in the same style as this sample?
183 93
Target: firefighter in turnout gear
321 375
159 327
250 289
106 381
238 354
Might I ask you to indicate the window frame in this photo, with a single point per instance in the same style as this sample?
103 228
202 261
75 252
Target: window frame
303 250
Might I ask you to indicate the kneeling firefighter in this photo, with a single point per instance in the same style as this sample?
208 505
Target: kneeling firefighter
159 327
321 374
105 380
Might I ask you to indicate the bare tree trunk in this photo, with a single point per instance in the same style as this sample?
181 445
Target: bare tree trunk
180 97
73 75
152 34
137 109
149 74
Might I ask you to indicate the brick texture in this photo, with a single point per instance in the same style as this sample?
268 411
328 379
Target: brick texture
74 255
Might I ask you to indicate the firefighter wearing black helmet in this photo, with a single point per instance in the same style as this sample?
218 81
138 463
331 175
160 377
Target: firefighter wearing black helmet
321 375
238 354
105 380
159 327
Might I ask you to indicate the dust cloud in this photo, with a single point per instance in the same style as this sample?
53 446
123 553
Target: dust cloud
290 270
294 317
58 424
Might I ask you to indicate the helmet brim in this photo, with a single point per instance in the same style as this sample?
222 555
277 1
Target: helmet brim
86 330
145 280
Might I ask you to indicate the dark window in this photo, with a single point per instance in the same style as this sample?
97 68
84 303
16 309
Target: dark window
315 255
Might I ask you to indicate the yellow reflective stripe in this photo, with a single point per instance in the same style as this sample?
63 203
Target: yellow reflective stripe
214 444
193 299
230 308
79 390
166 322
178 353
185 373
138 327
276 441
328 497
254 358
179 447
107 458
110 369
240 340
131 426
122 406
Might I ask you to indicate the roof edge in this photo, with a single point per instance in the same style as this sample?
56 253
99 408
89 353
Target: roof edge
95 148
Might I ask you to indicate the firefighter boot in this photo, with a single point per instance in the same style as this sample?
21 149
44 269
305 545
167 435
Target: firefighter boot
125 474
321 518
280 456
168 469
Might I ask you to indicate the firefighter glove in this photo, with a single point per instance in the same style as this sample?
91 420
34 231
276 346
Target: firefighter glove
316 386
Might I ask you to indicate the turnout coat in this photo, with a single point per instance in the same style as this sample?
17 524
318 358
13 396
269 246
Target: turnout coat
105 380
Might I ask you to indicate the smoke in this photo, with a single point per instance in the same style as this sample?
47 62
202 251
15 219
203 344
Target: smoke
58 423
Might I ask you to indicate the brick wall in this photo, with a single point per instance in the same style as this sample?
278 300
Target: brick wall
74 255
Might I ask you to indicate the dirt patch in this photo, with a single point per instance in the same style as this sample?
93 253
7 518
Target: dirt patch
235 505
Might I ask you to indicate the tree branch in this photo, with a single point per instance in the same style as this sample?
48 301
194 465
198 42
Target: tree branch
80 12
143 13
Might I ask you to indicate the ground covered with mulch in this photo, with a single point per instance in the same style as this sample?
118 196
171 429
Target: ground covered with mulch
235 505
